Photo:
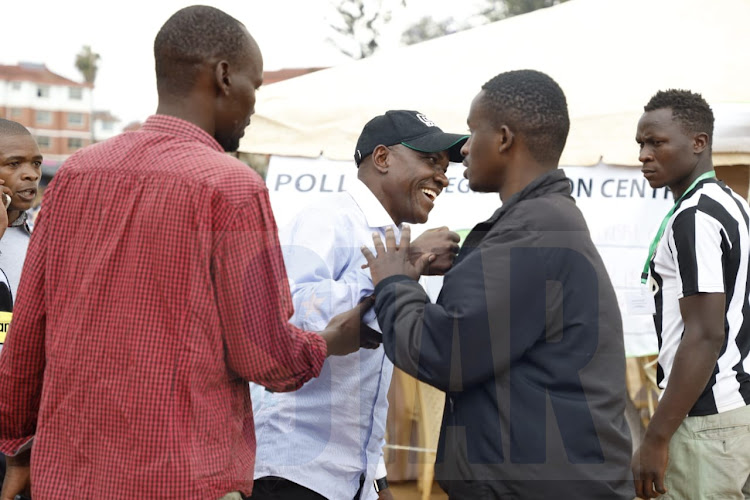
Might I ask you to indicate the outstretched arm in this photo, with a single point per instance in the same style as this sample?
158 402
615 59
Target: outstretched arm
470 316
254 305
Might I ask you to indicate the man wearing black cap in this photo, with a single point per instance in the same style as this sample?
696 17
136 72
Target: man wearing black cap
326 440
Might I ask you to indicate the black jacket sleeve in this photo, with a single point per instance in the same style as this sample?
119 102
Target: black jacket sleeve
462 340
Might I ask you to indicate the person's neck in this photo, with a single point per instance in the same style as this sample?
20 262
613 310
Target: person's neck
186 110
701 167
379 191
524 174
13 216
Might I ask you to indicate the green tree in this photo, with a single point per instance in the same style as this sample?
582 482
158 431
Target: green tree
87 63
502 9
428 28
357 25
492 10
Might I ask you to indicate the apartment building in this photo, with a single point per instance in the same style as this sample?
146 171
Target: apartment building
55 109
106 125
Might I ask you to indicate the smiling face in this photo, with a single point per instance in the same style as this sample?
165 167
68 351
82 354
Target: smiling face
482 158
21 169
668 153
414 180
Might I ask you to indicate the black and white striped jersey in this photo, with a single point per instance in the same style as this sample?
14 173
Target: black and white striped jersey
705 248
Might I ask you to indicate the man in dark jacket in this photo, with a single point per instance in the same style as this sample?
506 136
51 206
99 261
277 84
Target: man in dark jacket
526 335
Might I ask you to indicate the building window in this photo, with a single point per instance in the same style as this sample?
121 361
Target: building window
43 117
75 119
75 143
16 112
15 86
75 93
42 91
107 126
43 141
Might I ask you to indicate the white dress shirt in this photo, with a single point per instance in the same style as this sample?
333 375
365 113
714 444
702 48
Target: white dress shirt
331 431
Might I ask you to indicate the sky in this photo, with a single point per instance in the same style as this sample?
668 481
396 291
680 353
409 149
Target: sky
290 33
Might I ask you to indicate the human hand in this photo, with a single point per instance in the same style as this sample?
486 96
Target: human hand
440 241
17 476
649 465
6 197
346 332
393 259
385 494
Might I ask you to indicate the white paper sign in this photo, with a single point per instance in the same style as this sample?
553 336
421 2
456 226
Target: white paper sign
621 210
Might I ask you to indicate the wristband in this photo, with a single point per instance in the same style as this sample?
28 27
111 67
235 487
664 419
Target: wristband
380 484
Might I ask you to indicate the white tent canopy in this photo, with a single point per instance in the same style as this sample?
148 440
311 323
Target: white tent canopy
608 56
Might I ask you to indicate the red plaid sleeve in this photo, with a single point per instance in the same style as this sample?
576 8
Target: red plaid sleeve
255 305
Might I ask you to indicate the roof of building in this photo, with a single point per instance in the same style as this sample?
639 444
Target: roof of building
36 73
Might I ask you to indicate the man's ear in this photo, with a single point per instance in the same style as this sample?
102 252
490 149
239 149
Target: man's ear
381 158
700 142
505 139
222 78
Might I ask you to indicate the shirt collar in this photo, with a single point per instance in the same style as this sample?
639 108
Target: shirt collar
374 211
176 126
21 221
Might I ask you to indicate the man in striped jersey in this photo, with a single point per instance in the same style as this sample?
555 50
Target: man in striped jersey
698 442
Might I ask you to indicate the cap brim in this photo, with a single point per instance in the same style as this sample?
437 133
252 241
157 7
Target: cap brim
442 141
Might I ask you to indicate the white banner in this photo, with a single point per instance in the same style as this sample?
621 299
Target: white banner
622 212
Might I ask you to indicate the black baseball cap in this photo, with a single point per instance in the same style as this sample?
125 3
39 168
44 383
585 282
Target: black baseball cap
411 129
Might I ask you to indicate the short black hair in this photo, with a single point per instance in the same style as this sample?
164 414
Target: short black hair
9 127
533 104
689 108
190 37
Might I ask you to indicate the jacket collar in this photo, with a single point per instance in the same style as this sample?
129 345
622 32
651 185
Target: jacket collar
551 182
554 181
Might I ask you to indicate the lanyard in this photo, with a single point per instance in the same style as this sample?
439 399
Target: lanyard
660 233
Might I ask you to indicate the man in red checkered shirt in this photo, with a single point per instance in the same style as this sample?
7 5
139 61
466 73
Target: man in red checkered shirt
153 290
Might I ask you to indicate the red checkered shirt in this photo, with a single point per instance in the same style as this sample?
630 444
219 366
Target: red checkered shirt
153 290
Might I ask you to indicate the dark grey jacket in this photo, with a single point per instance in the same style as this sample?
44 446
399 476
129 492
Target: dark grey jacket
526 340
